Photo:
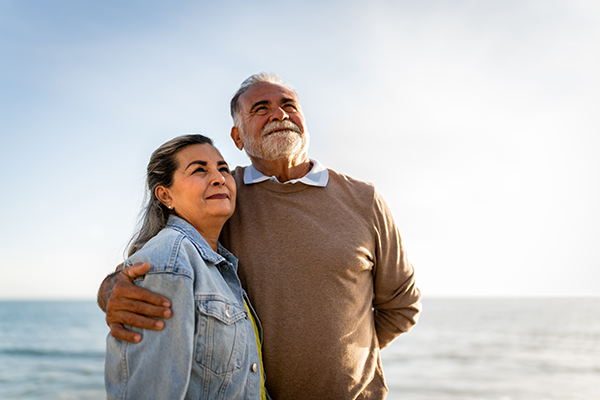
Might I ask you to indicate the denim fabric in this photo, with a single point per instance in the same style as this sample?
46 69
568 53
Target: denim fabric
207 349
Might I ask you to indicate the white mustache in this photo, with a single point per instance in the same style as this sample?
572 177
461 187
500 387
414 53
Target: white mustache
279 125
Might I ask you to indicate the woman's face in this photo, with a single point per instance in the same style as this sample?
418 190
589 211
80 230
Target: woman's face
203 190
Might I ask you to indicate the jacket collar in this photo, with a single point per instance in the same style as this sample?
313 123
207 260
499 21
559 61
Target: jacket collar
206 252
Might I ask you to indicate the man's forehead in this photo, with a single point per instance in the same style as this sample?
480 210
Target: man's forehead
265 91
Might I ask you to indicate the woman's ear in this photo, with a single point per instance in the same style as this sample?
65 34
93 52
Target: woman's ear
164 196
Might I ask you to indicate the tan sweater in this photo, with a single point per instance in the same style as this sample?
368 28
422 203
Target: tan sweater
327 274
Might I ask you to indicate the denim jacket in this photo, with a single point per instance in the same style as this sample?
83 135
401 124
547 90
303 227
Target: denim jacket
208 348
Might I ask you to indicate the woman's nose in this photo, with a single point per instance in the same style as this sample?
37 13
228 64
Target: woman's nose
218 179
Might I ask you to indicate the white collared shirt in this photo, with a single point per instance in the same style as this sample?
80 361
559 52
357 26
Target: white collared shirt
317 176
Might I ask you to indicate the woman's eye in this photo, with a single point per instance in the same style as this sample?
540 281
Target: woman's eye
225 170
199 170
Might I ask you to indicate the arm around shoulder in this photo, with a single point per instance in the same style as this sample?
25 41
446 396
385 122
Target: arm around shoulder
126 303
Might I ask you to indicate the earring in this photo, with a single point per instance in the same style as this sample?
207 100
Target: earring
170 207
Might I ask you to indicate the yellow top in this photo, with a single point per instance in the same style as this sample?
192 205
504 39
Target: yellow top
263 393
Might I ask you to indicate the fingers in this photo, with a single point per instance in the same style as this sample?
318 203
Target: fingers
132 319
134 306
129 300
117 316
117 331
136 270
124 287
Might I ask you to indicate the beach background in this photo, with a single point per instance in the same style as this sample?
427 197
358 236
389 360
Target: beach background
476 120
462 349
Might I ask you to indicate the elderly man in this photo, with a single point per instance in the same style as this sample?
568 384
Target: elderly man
320 257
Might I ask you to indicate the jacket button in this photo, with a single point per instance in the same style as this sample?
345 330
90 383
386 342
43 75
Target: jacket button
228 313
254 367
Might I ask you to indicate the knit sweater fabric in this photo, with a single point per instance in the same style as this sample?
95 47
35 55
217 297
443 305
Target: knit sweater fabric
327 274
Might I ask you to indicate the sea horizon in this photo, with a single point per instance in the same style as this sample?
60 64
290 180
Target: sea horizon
463 348
433 297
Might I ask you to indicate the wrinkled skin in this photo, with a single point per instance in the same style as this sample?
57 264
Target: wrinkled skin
128 304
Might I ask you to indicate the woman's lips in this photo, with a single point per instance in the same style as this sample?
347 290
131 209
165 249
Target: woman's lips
218 196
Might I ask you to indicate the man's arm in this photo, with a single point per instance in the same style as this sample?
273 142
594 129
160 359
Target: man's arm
397 299
128 304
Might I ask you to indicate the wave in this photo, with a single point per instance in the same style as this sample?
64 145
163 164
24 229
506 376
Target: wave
52 353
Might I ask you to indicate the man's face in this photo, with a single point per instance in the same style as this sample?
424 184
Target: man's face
271 123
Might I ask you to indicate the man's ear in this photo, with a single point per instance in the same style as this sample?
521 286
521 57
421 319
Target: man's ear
236 135
164 196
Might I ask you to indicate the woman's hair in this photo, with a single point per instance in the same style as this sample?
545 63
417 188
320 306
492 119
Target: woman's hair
160 172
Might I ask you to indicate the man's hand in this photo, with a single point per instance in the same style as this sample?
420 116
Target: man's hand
130 304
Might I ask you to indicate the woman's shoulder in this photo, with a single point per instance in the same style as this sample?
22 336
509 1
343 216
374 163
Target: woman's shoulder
168 251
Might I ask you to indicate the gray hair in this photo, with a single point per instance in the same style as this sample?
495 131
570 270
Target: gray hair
263 77
160 171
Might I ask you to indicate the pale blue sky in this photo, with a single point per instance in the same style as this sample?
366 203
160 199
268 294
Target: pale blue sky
477 120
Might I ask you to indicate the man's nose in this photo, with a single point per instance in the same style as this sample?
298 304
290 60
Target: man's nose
279 114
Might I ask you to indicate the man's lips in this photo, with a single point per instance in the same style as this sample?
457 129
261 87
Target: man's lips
281 130
287 131
280 126
218 196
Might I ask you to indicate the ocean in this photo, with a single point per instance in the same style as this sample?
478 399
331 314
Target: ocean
462 349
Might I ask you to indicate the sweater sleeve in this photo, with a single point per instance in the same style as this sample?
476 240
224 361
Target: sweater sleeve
396 300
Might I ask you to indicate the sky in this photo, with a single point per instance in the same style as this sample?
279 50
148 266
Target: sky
477 121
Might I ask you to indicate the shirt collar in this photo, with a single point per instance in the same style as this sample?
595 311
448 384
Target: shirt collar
317 176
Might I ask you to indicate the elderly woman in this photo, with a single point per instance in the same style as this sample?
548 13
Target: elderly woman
210 347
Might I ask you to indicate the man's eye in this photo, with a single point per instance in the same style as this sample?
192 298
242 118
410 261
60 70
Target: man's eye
261 111
289 107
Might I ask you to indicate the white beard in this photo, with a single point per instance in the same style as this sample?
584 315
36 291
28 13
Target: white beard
278 145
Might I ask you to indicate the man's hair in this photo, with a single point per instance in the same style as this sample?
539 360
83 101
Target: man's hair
160 171
263 77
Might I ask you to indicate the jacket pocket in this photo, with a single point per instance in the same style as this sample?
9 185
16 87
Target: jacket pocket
220 336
